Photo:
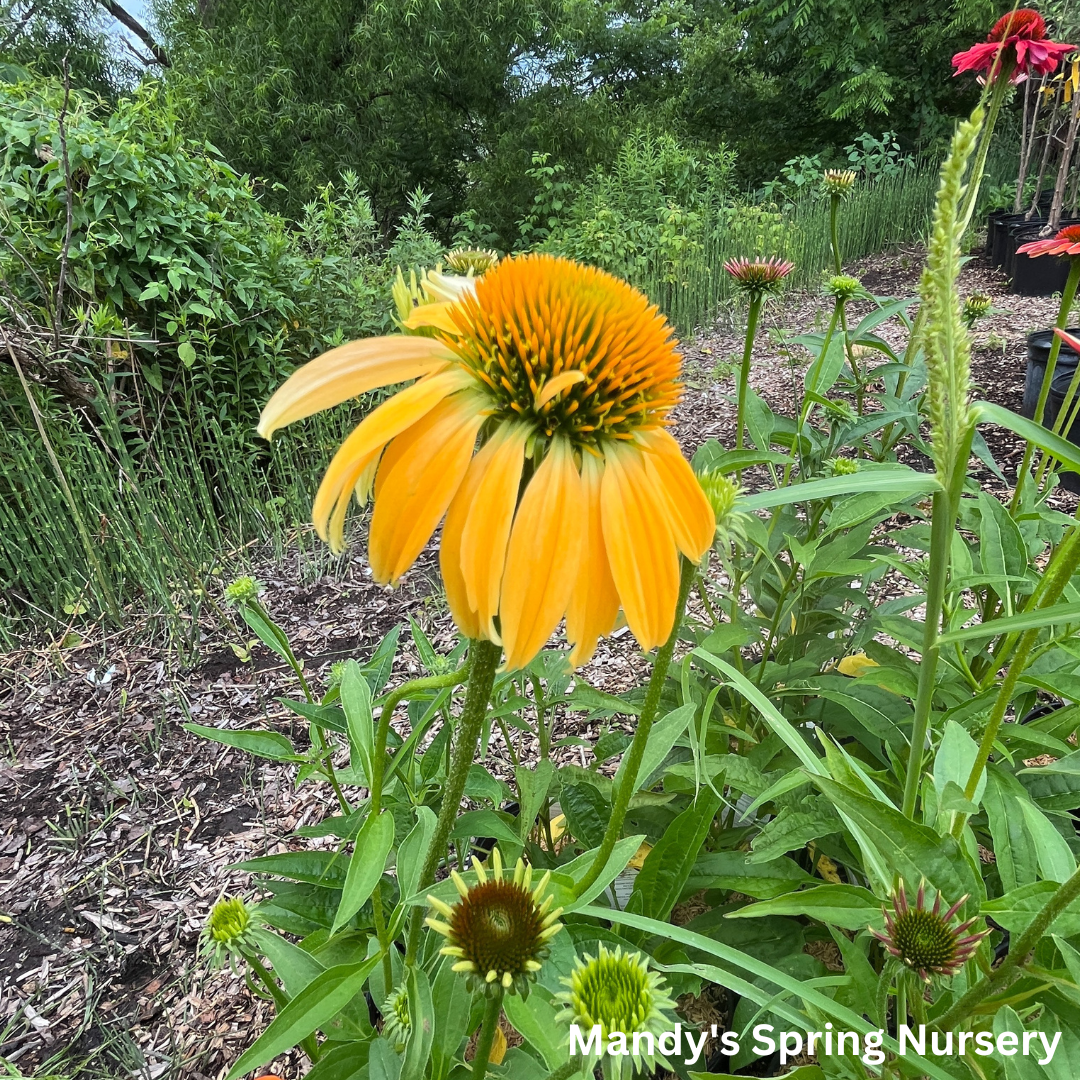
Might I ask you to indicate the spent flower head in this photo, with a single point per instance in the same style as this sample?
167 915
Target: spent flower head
473 261
229 930
242 591
759 277
498 932
925 940
617 992
838 182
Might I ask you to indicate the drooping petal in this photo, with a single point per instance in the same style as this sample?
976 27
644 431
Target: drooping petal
543 555
594 603
693 523
641 549
436 315
487 530
372 434
428 463
457 515
348 371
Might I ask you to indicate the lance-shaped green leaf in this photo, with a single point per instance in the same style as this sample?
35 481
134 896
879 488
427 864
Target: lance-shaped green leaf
373 844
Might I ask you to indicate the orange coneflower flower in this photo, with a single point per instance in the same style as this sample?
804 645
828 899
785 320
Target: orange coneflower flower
578 501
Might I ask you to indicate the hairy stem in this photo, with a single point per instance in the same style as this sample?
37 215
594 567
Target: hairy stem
1067 297
1020 950
744 371
484 659
487 1035
628 784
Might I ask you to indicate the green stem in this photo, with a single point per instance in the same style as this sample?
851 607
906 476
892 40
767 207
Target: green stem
834 232
1060 573
487 1034
744 371
997 96
943 522
1068 295
564 1072
1020 950
632 763
483 661
281 999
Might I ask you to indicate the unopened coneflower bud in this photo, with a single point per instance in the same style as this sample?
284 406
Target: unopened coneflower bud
396 1022
843 287
474 261
618 993
843 466
924 939
498 932
838 182
228 932
976 306
758 277
242 591
723 494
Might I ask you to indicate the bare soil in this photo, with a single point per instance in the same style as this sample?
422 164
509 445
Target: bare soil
118 828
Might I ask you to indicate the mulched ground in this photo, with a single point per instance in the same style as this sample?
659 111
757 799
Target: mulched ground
118 828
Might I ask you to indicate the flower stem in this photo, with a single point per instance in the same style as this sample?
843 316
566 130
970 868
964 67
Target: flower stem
1021 948
1059 573
628 785
484 659
943 522
997 96
834 232
487 1035
1067 297
564 1072
744 372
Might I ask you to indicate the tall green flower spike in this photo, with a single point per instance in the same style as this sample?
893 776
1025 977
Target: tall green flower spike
617 992
498 932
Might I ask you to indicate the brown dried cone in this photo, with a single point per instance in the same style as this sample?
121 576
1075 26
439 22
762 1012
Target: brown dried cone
498 932
923 939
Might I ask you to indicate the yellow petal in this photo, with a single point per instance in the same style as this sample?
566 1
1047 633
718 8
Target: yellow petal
543 556
437 315
693 523
369 437
348 371
498 1044
427 466
641 550
553 387
856 664
487 530
450 552
594 603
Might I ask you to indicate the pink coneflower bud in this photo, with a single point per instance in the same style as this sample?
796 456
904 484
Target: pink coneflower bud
924 940
758 276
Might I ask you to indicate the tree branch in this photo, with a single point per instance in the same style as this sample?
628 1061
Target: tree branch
126 19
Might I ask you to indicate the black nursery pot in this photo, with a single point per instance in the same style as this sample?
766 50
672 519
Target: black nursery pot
1038 351
1003 227
1040 275
992 221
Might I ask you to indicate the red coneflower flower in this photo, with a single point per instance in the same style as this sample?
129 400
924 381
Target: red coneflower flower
1065 242
923 939
758 276
1019 40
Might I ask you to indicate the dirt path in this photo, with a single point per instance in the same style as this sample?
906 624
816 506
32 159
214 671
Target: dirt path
118 828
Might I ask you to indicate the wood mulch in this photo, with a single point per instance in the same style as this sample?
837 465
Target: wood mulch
118 828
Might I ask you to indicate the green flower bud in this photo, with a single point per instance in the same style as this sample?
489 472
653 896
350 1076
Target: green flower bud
843 287
242 591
